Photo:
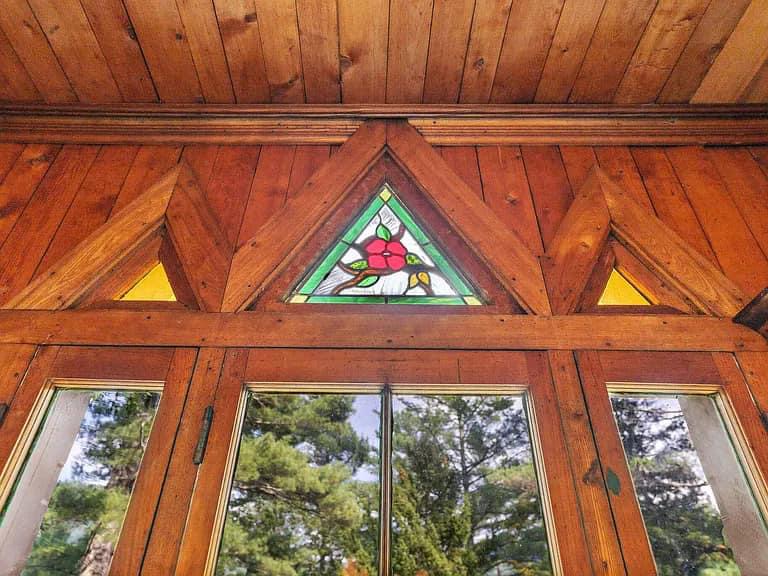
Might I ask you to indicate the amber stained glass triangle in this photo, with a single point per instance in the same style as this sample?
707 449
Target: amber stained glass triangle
619 291
154 286
385 257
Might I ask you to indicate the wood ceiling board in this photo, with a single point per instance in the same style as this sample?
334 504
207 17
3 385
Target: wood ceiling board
376 51
488 27
669 30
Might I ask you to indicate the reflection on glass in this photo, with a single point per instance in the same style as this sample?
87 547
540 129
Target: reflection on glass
698 509
305 494
466 500
69 502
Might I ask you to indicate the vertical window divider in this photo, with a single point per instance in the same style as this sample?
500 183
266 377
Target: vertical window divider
385 459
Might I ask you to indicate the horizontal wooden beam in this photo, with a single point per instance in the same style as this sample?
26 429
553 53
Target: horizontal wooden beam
333 124
415 331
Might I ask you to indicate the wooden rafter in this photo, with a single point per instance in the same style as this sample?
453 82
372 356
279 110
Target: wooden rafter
171 220
268 252
603 207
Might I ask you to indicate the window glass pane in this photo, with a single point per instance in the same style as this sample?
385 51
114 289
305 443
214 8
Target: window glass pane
465 499
69 502
385 257
699 512
305 494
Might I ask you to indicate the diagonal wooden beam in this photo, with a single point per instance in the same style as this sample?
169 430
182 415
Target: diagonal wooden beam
261 257
500 248
577 246
755 314
201 245
671 257
64 283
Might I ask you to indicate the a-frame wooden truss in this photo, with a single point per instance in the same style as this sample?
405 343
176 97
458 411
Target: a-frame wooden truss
222 279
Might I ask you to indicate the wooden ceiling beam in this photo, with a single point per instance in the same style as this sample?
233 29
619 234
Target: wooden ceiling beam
384 331
453 124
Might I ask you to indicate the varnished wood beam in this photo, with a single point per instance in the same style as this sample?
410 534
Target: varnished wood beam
386 331
453 124
755 314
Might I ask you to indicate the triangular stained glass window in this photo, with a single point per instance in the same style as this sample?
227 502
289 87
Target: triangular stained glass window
620 292
385 257
154 286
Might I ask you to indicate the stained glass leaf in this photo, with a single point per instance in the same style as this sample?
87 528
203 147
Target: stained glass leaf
385 256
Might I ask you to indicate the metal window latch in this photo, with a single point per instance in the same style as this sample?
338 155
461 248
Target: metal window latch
3 412
202 441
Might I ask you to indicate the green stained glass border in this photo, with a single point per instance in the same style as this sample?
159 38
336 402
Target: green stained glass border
384 196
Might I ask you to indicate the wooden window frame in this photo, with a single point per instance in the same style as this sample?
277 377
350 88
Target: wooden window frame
698 373
154 369
349 370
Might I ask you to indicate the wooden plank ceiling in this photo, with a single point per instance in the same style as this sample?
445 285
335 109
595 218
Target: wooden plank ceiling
384 51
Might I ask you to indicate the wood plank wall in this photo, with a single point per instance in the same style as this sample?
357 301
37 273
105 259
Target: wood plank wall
51 197
354 51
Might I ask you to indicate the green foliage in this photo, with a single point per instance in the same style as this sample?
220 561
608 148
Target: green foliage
466 500
86 508
685 530
295 506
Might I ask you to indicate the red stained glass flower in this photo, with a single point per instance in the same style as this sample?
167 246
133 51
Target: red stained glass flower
383 255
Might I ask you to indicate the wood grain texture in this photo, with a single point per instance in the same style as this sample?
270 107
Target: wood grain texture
507 193
734 245
306 161
409 25
241 37
464 161
618 31
742 56
664 39
139 517
70 35
21 181
574 251
269 189
165 47
560 477
489 25
663 251
31 46
413 331
151 164
530 29
284 234
705 44
62 284
518 270
636 549
319 35
618 163
603 545
279 32
205 44
27 242
448 40
117 39
574 30
363 40
229 187
170 518
748 186
201 244
201 519
14 361
669 200
550 187
15 82
92 204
